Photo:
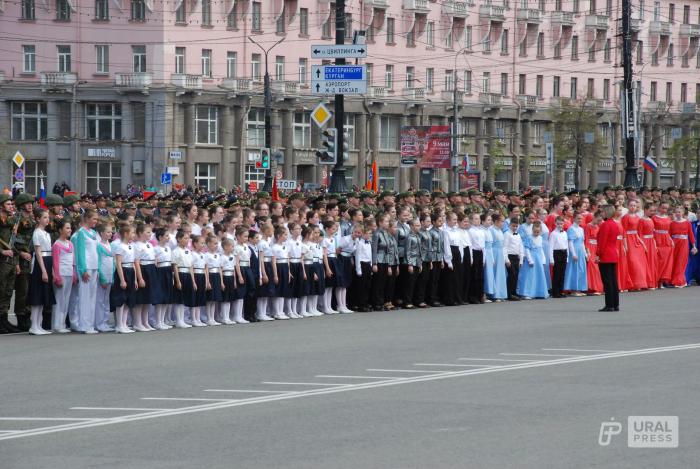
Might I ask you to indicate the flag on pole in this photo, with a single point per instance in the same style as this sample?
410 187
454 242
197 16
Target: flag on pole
42 194
275 193
465 163
649 164
375 177
368 185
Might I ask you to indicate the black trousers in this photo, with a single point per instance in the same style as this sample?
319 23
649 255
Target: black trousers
399 293
422 284
467 273
608 274
409 280
452 279
558 272
361 286
434 283
379 286
476 288
513 272
390 288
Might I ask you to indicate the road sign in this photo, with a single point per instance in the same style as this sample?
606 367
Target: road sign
175 155
278 174
174 170
321 115
549 153
19 174
338 79
350 51
676 132
253 187
18 159
166 178
548 137
286 185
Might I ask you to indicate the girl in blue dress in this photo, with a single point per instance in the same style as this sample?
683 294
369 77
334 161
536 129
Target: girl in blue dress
542 214
500 286
488 257
525 232
575 279
533 273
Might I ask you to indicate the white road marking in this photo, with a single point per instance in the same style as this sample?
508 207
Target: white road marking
184 399
452 364
9 431
305 384
579 350
405 371
245 390
494 359
354 377
537 355
137 409
46 419
334 390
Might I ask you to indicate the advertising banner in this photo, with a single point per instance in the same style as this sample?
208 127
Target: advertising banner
425 146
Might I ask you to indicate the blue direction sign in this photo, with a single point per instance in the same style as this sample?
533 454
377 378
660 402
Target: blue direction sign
166 178
349 51
19 174
339 79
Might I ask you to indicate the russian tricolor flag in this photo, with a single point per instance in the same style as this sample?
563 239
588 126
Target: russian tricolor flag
42 194
649 164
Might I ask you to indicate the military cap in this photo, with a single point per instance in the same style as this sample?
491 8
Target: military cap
535 192
511 193
352 194
497 192
438 195
70 199
387 194
24 198
619 188
333 196
98 196
596 192
262 195
129 206
342 200
403 195
4 198
422 193
52 200
462 193
473 192
163 204
141 205
608 188
655 189
452 194
644 189
296 196
111 204
365 194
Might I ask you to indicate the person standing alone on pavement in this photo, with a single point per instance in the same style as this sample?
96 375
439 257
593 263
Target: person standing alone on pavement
607 258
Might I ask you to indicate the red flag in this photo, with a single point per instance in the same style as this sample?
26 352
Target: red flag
375 176
148 194
275 192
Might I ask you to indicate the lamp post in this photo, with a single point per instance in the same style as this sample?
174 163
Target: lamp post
455 117
267 187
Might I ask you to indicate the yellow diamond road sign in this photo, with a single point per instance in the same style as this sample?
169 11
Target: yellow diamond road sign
18 159
321 115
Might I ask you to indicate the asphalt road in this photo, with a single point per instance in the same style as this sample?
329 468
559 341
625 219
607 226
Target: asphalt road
511 385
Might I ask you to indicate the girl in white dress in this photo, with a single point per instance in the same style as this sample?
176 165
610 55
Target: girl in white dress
86 263
40 294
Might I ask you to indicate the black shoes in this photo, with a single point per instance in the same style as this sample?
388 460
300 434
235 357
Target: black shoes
609 309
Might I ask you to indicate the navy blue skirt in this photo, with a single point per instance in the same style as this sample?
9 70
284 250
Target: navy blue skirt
215 294
268 289
298 282
230 292
283 289
318 286
330 282
343 273
119 296
200 295
166 294
187 292
151 293
250 288
308 284
41 293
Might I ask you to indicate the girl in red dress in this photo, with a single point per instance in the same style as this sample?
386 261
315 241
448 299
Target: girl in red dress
595 284
682 233
664 244
636 257
623 276
646 232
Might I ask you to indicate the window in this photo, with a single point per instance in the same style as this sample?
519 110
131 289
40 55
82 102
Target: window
231 63
180 59
574 86
387 178
255 128
557 50
449 80
62 10
102 10
468 37
574 48
256 17
28 59
389 133
411 38
504 42
370 34
103 176
303 70
104 121
467 82
657 11
64 58
138 54
686 14
575 8
540 45
697 93
606 89
641 10
669 56
640 52
487 44
253 174
590 88
390 30
557 5
684 92
29 121
255 67
206 63
430 34
279 68
522 84
655 58
504 84
556 86
281 23
206 125
302 130
138 10
389 77
370 74
410 77
591 7
349 129
328 25
430 79
608 8
101 58
669 92
34 171
685 63
523 47
542 5
671 12
232 18
448 38
591 53
181 13
606 51
304 21
348 26
652 91
539 85
205 176
537 133
27 9
486 82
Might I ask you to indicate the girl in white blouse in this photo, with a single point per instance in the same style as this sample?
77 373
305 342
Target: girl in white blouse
40 292
228 279
201 280
64 276
122 293
164 271
146 277
184 278
282 276
216 285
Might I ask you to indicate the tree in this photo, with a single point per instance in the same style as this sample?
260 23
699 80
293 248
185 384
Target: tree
685 148
571 122
648 121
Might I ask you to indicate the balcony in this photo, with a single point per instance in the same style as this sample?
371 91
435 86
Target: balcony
687 108
595 104
527 101
414 94
657 106
456 9
494 13
597 22
691 30
2 76
380 4
376 92
289 88
635 25
133 81
490 99
565 18
558 101
55 81
530 15
187 82
449 96
662 28
237 84
419 6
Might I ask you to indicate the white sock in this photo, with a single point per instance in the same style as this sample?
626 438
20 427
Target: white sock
225 311
261 309
238 308
302 305
36 318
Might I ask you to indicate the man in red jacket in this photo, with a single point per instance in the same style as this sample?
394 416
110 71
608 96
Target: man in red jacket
607 258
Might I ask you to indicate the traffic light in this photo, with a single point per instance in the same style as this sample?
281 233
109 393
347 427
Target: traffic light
265 158
327 154
346 146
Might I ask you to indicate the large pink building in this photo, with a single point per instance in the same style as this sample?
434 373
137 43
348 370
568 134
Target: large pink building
101 93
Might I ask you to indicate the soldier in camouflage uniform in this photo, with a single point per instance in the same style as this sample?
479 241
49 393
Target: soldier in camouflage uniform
24 229
73 211
55 205
7 263
500 202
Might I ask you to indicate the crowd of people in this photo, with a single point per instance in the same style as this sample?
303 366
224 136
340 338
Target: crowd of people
103 263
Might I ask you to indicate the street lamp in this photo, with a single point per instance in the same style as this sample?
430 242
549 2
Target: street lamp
267 187
455 117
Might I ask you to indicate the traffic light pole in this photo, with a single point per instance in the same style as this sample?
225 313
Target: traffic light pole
267 187
338 178
629 124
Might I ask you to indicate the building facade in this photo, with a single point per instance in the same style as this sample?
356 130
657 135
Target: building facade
101 93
